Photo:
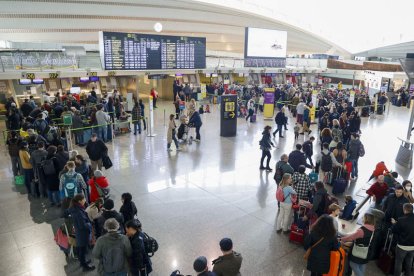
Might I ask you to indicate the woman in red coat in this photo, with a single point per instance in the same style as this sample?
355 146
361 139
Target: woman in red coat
98 180
154 95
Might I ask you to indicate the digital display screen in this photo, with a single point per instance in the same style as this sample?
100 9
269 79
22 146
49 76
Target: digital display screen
265 48
25 81
132 51
94 78
84 79
75 90
38 81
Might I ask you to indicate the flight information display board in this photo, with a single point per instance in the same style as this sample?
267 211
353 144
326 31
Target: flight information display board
132 51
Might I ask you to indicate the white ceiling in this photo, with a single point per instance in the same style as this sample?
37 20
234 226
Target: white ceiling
73 21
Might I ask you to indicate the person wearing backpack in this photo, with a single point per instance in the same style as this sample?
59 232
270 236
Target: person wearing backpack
107 213
355 150
362 237
139 264
13 146
83 228
71 183
284 195
319 199
50 171
327 161
36 158
112 250
282 167
99 186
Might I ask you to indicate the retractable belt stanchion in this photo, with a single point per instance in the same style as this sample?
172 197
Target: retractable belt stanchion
150 125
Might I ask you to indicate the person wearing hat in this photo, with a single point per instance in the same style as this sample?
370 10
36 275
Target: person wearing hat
107 213
96 149
98 186
230 262
112 250
201 268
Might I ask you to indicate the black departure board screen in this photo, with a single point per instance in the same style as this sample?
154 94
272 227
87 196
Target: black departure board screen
132 51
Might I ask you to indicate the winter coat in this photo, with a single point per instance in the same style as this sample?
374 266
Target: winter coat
138 254
100 221
297 158
96 150
319 259
171 131
266 142
63 158
77 123
81 223
353 149
101 181
136 113
280 118
129 211
83 169
52 181
319 202
195 120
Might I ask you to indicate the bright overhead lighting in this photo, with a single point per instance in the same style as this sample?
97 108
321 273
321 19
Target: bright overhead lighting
158 27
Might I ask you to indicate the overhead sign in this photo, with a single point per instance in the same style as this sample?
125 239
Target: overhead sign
53 75
111 74
30 76
132 51
93 74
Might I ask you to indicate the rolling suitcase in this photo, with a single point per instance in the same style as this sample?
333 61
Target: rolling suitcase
296 235
253 118
337 266
339 184
386 259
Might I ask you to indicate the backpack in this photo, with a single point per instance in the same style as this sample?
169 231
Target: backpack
48 167
361 151
326 163
278 173
114 258
70 185
280 195
150 245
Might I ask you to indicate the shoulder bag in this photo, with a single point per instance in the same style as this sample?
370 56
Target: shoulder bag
360 250
308 252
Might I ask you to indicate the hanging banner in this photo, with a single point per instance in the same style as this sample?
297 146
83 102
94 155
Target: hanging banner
312 113
352 97
269 103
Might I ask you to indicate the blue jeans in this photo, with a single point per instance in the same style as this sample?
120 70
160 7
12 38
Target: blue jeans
137 126
79 138
54 196
101 132
28 177
354 172
358 269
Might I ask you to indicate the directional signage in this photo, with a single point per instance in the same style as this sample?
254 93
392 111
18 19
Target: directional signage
228 122
53 75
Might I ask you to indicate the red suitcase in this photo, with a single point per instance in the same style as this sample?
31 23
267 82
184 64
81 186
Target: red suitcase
386 259
337 266
296 235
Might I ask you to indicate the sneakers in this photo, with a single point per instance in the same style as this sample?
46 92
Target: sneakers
268 169
262 168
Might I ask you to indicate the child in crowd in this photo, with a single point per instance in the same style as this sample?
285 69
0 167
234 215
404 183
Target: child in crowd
128 208
296 129
350 205
334 211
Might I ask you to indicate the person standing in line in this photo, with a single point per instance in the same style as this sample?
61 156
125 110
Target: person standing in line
285 211
230 262
307 148
102 119
141 104
96 149
77 123
404 251
13 146
300 109
355 148
266 145
171 134
26 165
128 208
201 268
83 228
321 240
136 118
112 250
195 121
62 157
50 171
280 120
154 95
140 263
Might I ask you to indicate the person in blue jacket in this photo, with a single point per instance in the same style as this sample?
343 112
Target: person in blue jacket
350 205
195 121
82 227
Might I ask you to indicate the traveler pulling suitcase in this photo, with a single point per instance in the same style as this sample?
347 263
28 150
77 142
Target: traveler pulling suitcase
337 266
386 259
339 184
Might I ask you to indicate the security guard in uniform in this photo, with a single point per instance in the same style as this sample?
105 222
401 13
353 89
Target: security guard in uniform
229 264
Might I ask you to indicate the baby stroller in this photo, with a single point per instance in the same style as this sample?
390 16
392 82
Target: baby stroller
182 133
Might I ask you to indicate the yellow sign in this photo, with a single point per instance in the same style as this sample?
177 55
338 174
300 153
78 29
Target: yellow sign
93 74
315 92
312 113
203 90
30 76
229 107
269 105
53 75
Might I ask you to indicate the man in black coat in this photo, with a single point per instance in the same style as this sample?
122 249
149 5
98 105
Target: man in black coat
139 262
393 205
96 149
297 158
26 108
308 149
280 120
404 230
107 213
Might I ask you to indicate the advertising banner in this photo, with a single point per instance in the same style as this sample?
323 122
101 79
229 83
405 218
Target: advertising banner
203 90
269 103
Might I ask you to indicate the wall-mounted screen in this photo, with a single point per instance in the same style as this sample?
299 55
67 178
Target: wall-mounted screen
265 48
25 81
94 78
84 79
132 51
75 90
38 81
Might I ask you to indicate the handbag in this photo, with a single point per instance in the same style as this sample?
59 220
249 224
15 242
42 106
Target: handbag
308 252
360 250
102 192
106 162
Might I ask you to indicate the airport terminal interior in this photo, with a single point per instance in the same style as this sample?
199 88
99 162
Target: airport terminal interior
244 133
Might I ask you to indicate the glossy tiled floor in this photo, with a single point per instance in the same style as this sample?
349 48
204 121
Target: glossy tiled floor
188 200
